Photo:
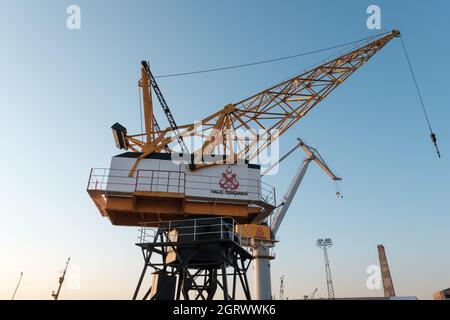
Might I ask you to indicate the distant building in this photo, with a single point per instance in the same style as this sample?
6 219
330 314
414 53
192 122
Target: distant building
380 298
442 295
370 298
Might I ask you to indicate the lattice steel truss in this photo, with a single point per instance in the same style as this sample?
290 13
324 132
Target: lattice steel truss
244 129
203 258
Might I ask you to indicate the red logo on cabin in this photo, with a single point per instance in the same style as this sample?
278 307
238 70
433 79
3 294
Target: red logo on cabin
228 180
260 232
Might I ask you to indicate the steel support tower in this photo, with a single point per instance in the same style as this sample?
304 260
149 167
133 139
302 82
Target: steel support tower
193 259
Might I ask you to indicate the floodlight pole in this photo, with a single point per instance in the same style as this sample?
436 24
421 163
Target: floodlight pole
324 245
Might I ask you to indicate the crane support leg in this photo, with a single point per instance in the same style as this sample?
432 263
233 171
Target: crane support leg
262 287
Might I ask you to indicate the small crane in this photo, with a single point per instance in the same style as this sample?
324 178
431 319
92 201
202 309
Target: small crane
17 287
261 252
61 280
281 297
312 295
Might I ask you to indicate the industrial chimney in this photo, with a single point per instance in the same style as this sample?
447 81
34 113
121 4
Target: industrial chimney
388 286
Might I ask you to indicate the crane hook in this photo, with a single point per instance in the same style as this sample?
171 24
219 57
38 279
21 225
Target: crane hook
434 140
338 192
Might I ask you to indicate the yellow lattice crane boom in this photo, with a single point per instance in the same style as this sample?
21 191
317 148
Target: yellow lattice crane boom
263 117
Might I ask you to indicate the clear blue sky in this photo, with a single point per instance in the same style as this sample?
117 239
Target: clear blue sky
60 91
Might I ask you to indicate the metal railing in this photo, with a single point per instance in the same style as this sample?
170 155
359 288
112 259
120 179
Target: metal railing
103 179
190 230
196 185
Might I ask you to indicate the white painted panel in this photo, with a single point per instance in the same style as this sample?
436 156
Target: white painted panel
220 181
118 179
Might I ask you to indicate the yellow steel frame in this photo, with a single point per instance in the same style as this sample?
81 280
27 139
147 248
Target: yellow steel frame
265 115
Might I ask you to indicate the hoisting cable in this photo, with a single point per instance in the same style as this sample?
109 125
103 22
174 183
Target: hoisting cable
269 60
432 134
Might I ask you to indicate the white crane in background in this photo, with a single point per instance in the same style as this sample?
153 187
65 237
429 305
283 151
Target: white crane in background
262 249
